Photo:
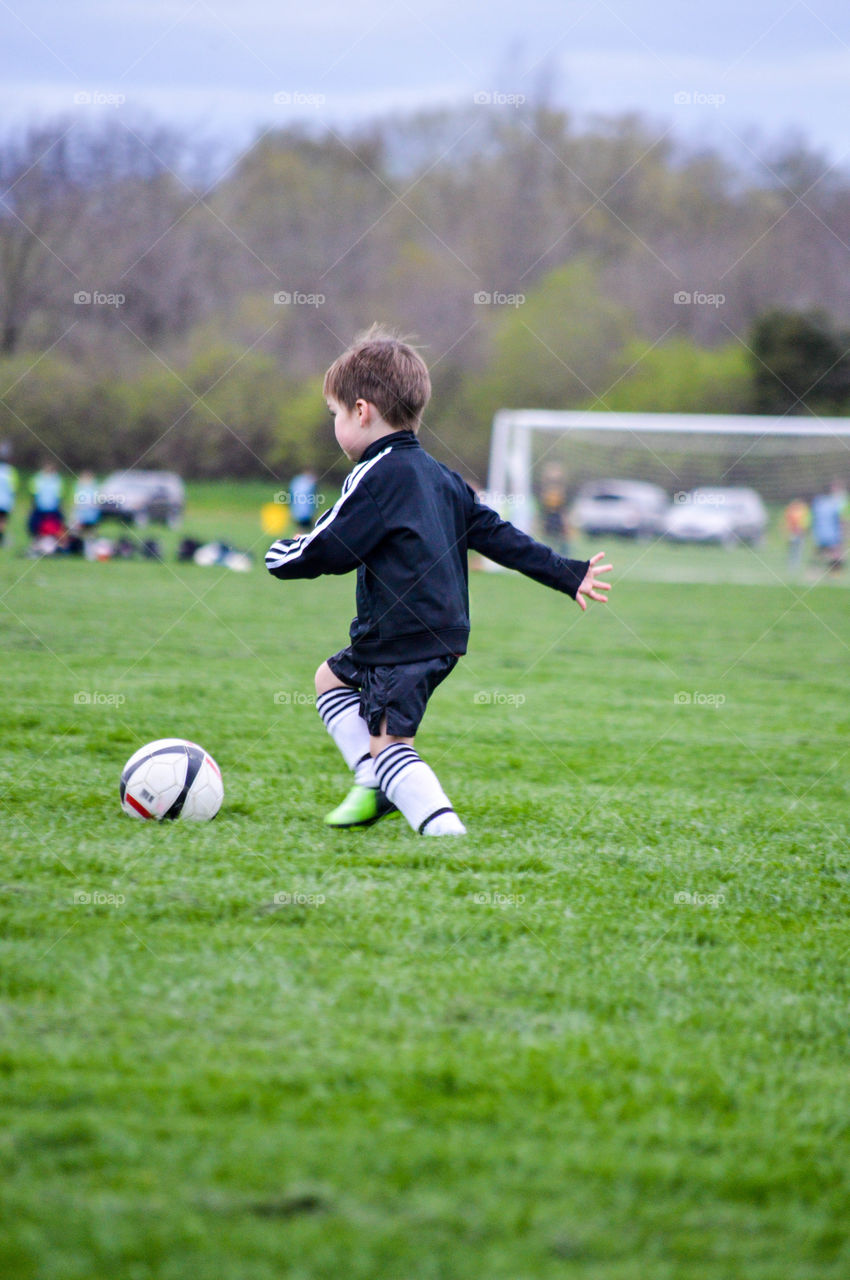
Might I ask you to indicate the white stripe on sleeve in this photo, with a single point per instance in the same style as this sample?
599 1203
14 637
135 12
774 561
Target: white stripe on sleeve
281 553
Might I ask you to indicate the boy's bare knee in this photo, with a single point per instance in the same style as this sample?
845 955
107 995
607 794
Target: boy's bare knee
325 679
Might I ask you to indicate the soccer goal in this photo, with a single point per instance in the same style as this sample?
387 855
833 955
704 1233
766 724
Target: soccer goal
781 458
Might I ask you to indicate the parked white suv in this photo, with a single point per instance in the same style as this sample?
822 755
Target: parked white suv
630 508
709 514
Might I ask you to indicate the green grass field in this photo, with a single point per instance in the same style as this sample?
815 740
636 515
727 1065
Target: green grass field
606 1035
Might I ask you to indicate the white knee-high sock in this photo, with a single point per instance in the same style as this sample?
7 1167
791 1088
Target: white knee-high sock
340 710
415 789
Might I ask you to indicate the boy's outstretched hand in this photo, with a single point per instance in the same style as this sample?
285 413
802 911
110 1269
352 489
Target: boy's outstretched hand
591 586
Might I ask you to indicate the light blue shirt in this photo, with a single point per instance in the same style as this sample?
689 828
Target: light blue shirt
86 510
8 485
302 492
47 490
826 520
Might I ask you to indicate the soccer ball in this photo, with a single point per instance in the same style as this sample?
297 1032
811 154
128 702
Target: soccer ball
171 778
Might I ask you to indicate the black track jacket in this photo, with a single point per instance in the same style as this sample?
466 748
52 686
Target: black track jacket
405 522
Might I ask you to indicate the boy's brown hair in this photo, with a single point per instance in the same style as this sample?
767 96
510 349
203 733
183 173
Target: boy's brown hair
384 370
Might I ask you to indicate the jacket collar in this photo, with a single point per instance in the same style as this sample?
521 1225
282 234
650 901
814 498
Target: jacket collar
395 440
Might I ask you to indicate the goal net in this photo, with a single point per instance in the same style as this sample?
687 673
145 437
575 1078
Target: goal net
687 456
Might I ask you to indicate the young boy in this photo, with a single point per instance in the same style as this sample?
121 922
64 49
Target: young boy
405 522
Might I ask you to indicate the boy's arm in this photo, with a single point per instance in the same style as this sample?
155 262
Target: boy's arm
343 536
501 541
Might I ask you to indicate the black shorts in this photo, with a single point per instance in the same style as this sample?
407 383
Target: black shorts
399 692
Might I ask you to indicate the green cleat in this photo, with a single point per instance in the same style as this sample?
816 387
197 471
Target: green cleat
360 808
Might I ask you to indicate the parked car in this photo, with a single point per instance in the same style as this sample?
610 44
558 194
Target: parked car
630 508
716 515
143 497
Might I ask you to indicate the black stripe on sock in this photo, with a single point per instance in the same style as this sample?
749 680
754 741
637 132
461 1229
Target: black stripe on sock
393 749
386 760
387 778
336 697
339 691
331 707
446 809
366 756
402 757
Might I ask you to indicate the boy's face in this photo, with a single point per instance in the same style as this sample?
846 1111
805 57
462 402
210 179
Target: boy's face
348 429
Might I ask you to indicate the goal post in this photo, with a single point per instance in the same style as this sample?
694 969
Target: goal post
781 457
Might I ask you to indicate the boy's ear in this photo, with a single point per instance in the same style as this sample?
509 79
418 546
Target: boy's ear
365 412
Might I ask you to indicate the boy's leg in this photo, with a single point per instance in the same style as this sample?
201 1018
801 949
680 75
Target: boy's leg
413 787
395 702
338 704
394 699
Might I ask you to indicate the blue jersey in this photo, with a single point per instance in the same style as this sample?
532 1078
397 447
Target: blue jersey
826 520
46 490
86 510
8 485
302 493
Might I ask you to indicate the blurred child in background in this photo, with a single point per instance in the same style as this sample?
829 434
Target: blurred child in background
798 522
8 487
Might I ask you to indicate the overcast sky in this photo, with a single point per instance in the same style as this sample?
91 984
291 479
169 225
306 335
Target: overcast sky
715 70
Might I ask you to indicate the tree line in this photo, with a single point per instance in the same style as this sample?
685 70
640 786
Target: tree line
162 308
